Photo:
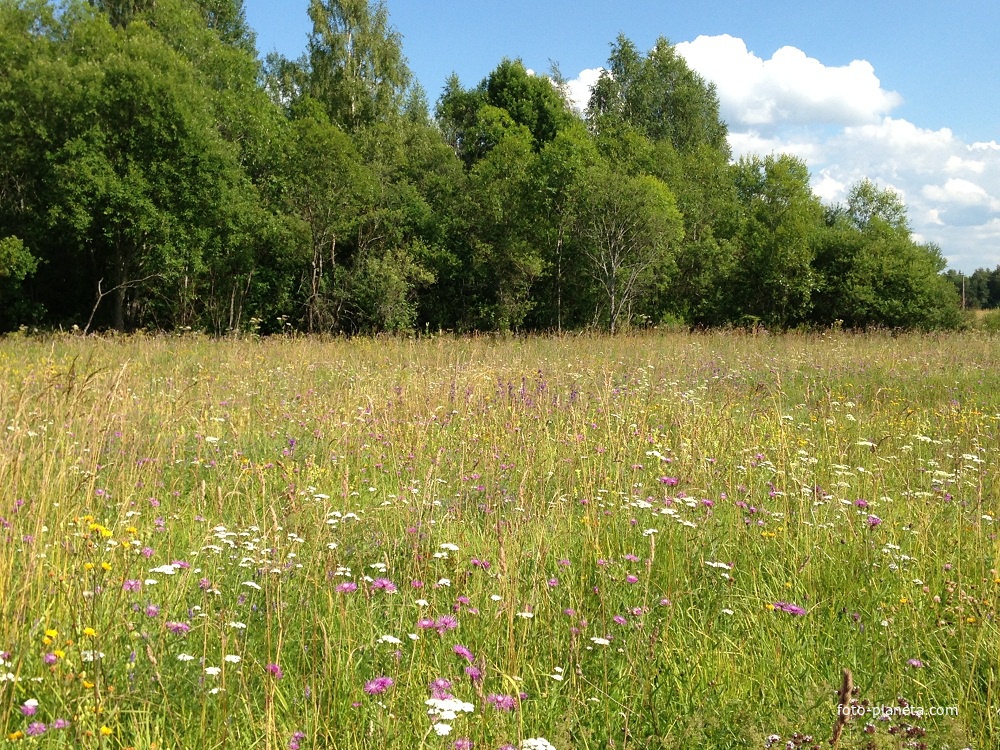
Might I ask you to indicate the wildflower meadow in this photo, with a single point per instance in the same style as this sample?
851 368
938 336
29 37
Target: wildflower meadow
649 541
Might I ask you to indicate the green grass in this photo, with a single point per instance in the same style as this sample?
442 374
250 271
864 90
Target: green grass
610 522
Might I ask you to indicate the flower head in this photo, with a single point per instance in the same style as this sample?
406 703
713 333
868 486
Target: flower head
445 623
502 702
440 689
378 685
792 609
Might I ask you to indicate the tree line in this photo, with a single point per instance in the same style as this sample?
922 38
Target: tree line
155 174
979 290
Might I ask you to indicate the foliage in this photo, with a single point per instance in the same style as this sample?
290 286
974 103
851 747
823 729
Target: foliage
871 272
356 65
628 227
781 217
659 96
163 178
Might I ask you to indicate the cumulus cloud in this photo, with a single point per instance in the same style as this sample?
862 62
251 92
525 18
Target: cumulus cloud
790 87
579 87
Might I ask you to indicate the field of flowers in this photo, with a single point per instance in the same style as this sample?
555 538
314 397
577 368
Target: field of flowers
656 541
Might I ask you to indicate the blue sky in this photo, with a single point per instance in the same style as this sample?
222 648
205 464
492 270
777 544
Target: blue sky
901 92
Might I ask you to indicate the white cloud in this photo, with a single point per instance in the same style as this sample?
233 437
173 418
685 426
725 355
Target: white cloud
829 188
744 143
788 88
957 190
579 87
958 164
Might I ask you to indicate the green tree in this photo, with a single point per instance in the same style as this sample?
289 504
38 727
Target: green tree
703 182
659 96
534 102
16 264
564 296
356 67
629 227
501 260
329 189
870 272
531 100
774 273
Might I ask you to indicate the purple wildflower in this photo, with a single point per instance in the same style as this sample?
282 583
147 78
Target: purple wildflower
502 702
60 724
378 685
275 670
619 620
669 481
445 623
475 673
346 587
874 521
297 737
385 584
204 583
440 689
132 584
30 707
553 582
35 728
463 652
463 743
50 658
792 609
631 579
178 628
915 663
426 623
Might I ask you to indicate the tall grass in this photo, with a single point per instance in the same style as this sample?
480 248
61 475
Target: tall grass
640 542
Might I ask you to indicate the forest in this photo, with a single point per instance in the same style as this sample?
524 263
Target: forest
156 174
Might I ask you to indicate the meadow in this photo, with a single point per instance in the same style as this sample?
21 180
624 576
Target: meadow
648 541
